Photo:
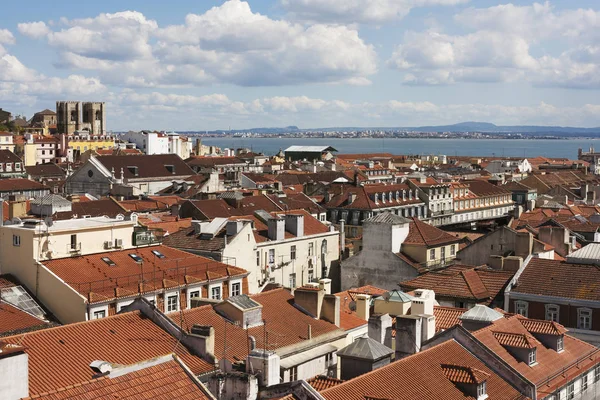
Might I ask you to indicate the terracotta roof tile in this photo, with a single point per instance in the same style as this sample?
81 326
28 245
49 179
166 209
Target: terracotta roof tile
60 357
553 368
9 185
543 327
461 374
447 317
148 166
560 279
421 376
421 233
164 381
14 320
320 383
96 280
286 325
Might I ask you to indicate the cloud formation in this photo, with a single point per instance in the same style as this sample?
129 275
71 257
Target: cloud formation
504 47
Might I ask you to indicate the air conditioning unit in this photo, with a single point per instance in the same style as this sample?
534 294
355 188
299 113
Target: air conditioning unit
119 243
108 245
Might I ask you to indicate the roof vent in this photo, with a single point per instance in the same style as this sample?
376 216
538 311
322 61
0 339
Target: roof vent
101 367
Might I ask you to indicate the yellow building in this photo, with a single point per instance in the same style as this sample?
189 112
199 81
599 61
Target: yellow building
79 144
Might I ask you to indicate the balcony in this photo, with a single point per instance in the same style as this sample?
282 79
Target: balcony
440 263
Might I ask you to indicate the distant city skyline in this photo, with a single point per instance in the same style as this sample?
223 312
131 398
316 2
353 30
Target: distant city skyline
188 65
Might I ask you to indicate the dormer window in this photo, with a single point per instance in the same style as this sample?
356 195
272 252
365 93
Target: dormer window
376 198
482 391
560 344
532 357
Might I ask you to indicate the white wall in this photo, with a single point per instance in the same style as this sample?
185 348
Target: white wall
14 373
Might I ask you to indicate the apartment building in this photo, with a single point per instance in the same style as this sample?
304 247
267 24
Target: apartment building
134 175
11 166
6 141
437 197
479 200
561 291
287 248
160 143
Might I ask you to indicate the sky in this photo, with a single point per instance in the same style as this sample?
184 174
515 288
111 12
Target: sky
205 65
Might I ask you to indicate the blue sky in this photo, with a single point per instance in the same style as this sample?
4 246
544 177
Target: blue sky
191 65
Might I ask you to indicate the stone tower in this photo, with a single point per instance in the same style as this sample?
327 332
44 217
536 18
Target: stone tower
94 118
68 116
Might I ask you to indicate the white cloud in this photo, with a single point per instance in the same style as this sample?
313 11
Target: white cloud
12 70
120 36
34 30
6 37
357 11
505 47
226 44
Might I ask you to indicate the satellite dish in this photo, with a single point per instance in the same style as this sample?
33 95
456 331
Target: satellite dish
352 305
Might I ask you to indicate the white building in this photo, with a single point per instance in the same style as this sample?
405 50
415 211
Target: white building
160 143
290 249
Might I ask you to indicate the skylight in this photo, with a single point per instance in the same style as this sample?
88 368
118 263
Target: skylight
158 254
136 258
108 261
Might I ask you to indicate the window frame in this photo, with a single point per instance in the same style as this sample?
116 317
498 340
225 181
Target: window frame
532 357
293 252
522 304
220 290
552 309
589 313
170 296
234 286
96 313
17 240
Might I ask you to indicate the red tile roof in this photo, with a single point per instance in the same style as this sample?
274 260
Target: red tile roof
97 281
421 233
148 166
465 282
9 185
14 320
553 369
447 317
60 357
461 374
421 376
285 324
320 383
363 201
165 381
559 279
207 162
543 327
94 208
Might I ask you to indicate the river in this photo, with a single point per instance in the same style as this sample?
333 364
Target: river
462 147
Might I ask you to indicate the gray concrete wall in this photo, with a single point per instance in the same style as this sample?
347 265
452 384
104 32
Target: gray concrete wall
496 243
373 267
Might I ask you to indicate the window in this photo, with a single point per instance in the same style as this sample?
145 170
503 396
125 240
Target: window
195 294
292 281
310 275
16 240
172 303
571 391
584 383
108 261
293 374
158 254
73 242
532 357
136 258
453 250
552 311
481 389
432 254
215 293
293 252
597 374
328 359
271 256
236 289
99 314
258 258
311 249
521 307
443 253
560 344
584 320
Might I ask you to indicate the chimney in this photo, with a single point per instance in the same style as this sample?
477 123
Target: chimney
207 335
496 262
330 310
309 332
362 306
14 364
380 328
513 263
276 228
310 299
325 284
408 335
294 223
197 227
265 365
234 227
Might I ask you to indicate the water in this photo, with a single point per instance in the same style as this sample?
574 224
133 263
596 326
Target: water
460 147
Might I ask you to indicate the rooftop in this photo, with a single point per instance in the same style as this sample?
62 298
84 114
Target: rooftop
115 274
148 166
422 376
481 313
365 348
421 233
309 149
71 224
60 357
159 379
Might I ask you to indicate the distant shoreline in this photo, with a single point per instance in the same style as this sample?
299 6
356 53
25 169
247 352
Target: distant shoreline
390 137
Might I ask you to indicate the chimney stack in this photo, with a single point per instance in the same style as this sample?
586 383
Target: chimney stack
363 306
380 328
206 334
325 284
294 223
276 228
310 299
